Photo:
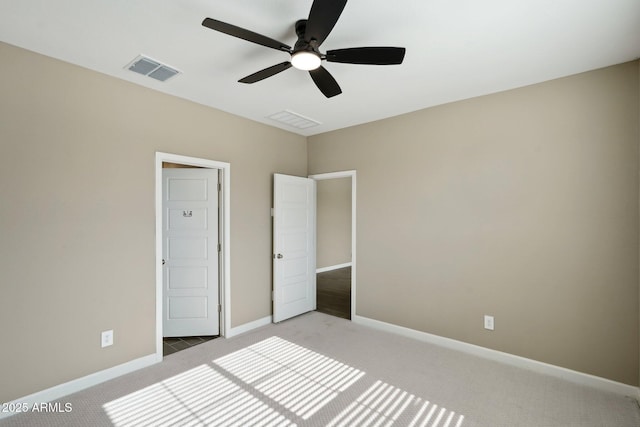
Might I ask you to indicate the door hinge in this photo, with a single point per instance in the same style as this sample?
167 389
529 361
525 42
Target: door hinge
219 308
219 247
219 187
271 295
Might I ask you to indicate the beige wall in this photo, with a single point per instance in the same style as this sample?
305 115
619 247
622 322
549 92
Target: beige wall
333 245
522 205
77 218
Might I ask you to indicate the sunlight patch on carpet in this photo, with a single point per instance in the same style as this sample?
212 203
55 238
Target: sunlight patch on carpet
382 404
200 396
274 383
293 376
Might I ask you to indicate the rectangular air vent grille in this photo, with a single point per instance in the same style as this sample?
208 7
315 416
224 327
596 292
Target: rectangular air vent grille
292 119
152 68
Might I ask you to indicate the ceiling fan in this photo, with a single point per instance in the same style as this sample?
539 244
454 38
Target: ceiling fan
306 55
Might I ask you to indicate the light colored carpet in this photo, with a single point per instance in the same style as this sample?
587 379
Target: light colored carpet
319 370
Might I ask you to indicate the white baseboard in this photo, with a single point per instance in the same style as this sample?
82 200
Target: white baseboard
333 267
65 389
506 358
248 326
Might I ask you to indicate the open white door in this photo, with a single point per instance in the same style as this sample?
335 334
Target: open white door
294 246
190 252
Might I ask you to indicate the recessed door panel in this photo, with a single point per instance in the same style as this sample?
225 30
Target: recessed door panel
187 278
293 192
293 268
295 217
295 242
187 308
185 189
294 292
187 219
187 248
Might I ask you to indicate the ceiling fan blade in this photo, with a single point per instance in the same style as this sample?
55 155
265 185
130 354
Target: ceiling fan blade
322 18
367 55
267 72
325 82
247 35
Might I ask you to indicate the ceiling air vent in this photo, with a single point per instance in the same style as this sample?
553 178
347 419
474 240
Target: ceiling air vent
292 119
152 68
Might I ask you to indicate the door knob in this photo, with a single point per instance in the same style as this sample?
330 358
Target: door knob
279 256
162 262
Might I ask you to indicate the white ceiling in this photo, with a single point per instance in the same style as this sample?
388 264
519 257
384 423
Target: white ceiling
456 49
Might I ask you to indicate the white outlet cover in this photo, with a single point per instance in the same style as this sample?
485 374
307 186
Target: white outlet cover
107 338
488 322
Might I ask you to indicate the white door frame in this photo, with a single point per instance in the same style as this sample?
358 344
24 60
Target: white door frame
347 174
224 236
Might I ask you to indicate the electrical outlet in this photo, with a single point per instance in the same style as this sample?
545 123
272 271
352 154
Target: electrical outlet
488 322
107 338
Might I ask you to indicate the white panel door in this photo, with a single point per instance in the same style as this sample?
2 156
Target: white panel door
190 252
294 246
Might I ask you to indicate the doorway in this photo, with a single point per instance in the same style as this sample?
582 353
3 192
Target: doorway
220 249
336 243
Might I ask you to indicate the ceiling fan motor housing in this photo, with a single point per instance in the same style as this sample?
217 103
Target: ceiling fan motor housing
302 44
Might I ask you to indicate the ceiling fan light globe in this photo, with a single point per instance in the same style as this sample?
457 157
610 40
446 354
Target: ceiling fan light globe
305 60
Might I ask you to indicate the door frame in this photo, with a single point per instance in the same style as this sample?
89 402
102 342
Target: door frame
224 232
347 174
